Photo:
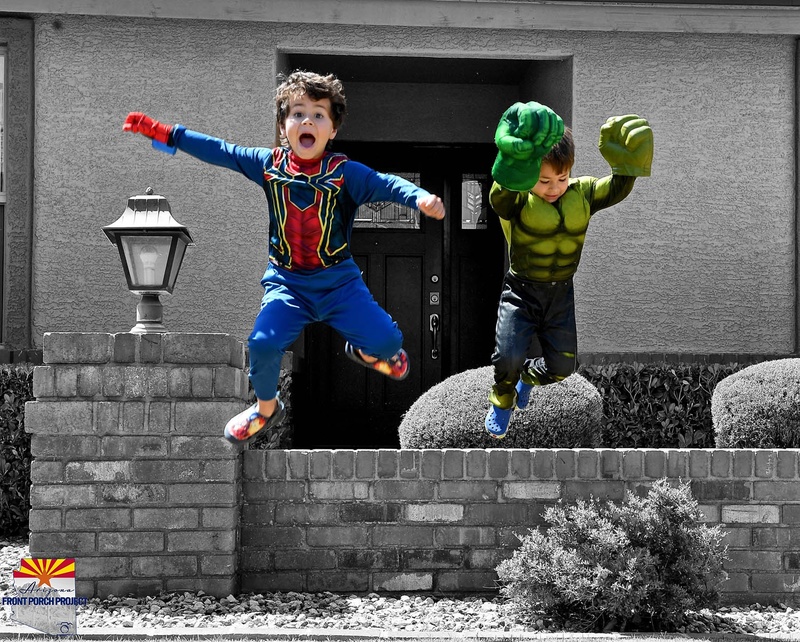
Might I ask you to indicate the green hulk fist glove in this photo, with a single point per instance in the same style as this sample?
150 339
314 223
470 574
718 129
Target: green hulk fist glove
626 142
525 134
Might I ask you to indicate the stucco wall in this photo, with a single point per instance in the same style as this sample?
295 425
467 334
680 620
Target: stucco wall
16 35
700 258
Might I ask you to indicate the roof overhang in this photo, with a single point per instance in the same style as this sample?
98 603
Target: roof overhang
778 17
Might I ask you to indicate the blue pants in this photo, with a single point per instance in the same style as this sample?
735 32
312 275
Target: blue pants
336 296
528 309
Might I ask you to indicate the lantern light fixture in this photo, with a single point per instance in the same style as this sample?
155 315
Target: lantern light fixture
151 245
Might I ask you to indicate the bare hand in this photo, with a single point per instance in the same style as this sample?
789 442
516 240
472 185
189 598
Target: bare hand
431 206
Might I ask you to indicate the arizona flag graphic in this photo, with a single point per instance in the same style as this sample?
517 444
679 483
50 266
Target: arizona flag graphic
45 595
57 574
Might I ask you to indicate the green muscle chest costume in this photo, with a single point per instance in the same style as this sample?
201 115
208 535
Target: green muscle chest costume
545 240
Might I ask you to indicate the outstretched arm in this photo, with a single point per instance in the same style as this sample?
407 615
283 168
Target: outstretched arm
525 134
249 161
626 142
365 185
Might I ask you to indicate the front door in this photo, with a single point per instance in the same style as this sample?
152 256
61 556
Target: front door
440 281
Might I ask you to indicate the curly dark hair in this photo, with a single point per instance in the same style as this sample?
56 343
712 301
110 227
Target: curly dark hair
315 86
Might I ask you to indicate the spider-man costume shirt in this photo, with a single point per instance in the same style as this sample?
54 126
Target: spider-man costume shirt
311 203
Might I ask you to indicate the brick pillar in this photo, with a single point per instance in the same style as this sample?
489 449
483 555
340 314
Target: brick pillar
130 473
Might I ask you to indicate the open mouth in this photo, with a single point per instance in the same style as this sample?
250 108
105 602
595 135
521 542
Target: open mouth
307 141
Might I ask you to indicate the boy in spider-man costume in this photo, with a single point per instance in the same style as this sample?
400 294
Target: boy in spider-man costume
312 197
544 215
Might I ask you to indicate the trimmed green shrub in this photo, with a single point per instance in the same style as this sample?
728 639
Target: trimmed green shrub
451 415
16 387
759 406
639 565
654 405
657 405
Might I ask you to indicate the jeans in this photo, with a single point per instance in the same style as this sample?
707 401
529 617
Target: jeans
528 309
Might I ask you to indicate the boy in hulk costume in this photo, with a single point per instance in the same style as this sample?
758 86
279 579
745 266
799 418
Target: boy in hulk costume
544 215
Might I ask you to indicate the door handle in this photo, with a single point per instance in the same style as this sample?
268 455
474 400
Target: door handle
433 326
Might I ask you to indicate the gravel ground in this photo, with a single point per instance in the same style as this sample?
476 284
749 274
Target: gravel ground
293 611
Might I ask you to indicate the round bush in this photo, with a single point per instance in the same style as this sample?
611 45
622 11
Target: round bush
568 414
759 406
636 565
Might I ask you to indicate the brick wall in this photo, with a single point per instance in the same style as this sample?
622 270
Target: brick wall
132 477
430 520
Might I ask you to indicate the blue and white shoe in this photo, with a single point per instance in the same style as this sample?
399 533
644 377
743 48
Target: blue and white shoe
497 421
523 393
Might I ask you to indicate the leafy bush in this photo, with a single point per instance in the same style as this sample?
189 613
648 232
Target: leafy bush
759 406
16 387
604 566
451 415
657 405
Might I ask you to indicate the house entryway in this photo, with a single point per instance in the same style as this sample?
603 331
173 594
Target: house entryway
432 121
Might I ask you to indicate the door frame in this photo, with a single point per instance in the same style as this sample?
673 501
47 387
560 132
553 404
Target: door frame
441 169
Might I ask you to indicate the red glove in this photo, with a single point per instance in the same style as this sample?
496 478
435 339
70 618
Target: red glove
140 123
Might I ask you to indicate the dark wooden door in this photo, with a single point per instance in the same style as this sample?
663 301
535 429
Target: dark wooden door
440 280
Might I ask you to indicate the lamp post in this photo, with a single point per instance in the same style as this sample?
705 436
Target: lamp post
151 245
